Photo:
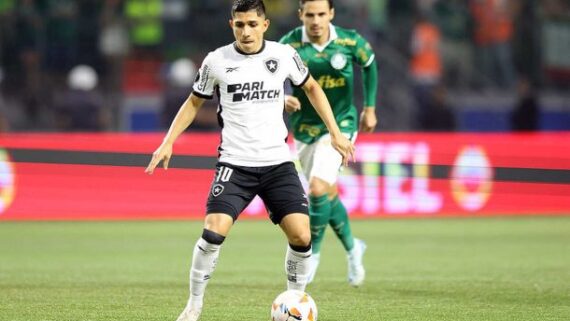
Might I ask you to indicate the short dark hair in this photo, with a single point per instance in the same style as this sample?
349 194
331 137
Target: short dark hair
247 5
302 3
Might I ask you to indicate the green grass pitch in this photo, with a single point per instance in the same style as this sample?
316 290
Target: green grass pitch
417 269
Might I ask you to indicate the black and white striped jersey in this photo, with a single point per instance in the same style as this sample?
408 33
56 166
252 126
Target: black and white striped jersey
250 89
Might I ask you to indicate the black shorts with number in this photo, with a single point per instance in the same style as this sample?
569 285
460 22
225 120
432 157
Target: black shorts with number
234 187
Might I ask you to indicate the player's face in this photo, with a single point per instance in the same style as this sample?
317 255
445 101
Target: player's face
316 17
248 30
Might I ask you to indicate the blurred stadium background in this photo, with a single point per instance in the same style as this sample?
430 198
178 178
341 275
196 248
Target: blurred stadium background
492 59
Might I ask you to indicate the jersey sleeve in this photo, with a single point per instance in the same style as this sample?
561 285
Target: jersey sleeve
285 39
204 83
298 72
363 52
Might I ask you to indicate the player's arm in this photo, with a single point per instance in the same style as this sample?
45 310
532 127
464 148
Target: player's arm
368 118
292 103
321 104
183 119
363 53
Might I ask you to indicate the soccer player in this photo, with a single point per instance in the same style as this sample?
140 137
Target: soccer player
248 77
329 52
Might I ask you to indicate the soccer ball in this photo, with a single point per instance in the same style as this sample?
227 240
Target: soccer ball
293 305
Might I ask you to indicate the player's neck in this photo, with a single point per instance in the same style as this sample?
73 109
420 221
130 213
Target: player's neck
322 39
253 51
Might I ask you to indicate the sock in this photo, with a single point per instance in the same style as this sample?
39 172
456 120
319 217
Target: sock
297 266
319 210
340 224
204 262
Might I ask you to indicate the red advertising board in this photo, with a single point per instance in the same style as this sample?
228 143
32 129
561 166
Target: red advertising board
100 176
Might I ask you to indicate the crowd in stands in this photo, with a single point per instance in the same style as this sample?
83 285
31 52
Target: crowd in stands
116 49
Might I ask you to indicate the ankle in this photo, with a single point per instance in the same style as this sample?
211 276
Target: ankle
196 301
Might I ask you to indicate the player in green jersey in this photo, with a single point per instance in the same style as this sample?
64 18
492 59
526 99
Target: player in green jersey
330 52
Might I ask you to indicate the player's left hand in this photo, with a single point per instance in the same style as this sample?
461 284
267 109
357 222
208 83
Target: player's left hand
368 120
292 104
344 146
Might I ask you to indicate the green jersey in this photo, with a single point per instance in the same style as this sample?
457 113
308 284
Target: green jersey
332 67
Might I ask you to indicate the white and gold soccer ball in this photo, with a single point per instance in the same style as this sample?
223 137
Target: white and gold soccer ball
293 305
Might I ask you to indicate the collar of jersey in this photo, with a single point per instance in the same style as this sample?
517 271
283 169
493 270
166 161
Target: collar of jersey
332 37
248 54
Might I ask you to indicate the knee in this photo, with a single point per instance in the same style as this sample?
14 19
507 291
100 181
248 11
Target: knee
318 188
333 191
302 238
218 223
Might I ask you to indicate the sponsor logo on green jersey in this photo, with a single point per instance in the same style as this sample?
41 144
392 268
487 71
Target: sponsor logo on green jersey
345 42
328 82
312 131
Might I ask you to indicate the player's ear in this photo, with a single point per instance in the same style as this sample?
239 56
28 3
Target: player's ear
300 14
266 24
231 22
332 14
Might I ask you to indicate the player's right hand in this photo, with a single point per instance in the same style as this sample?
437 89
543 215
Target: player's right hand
292 104
162 153
368 120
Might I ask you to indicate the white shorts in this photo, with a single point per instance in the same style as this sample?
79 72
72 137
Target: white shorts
320 159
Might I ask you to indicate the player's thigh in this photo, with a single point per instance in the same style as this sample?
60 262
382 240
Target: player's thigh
231 191
305 154
327 161
282 192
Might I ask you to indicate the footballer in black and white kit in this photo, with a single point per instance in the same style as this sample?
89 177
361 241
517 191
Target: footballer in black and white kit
254 159
253 149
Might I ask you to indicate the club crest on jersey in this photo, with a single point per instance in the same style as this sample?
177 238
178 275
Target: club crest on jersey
217 189
338 61
272 65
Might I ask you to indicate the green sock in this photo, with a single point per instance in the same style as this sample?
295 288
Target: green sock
319 209
340 224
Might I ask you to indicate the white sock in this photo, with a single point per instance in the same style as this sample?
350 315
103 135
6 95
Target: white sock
204 262
297 267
